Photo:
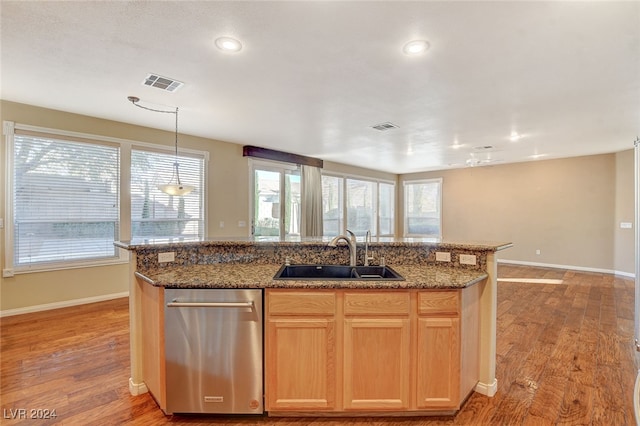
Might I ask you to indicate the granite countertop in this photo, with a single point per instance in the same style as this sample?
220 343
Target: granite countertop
162 244
261 276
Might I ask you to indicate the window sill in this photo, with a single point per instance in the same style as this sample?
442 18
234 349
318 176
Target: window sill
7 273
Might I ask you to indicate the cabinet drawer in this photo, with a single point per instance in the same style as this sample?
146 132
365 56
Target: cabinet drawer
301 302
439 302
387 302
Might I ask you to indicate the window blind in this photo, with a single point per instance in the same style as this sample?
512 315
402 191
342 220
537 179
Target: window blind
386 208
65 200
422 208
361 208
332 205
156 215
368 205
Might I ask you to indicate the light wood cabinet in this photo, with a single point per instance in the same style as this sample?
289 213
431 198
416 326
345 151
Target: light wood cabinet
376 363
153 358
376 350
390 351
300 367
438 363
438 349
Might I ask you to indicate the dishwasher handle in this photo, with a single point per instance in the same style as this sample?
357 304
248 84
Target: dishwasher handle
177 304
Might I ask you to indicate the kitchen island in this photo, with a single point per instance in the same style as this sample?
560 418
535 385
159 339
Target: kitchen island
326 342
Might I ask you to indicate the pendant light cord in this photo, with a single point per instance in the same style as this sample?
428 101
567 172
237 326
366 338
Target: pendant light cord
176 163
134 100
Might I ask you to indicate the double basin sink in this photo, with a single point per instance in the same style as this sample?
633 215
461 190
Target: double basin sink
337 272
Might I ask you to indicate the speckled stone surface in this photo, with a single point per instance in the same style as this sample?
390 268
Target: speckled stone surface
394 252
252 263
261 276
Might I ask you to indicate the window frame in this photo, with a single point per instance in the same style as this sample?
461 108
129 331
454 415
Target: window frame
405 227
344 219
276 167
182 153
124 224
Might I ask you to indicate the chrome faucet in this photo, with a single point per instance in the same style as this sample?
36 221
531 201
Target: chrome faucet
351 242
367 241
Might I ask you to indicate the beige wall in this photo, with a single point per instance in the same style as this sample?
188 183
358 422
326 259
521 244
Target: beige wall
569 209
624 212
227 201
339 168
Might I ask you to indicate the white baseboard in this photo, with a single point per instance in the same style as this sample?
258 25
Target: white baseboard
489 389
571 267
62 304
137 388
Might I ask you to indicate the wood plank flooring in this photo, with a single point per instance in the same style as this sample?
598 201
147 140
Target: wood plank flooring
565 356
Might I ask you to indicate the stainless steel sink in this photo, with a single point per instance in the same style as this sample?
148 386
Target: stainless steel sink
337 272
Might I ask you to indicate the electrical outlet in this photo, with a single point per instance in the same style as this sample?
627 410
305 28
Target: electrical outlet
468 259
443 256
538 251
626 225
168 256
242 224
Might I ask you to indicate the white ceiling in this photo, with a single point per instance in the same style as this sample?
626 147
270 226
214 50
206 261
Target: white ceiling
313 77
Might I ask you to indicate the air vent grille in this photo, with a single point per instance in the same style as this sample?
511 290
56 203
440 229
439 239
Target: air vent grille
164 83
383 127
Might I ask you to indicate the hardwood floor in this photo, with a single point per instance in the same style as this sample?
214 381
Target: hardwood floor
565 355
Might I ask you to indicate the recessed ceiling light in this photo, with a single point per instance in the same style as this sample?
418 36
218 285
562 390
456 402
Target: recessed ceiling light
515 136
228 44
415 47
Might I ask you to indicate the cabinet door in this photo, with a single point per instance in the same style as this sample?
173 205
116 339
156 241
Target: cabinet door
376 363
301 364
438 362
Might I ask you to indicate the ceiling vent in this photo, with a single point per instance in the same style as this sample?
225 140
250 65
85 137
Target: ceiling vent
164 83
383 127
483 147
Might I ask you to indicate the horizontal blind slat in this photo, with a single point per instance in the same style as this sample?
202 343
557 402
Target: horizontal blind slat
66 198
156 214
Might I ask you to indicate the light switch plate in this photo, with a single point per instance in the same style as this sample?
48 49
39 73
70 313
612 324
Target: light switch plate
443 256
168 256
626 225
468 259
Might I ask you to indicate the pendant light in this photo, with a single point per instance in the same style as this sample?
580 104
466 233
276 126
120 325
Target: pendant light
173 187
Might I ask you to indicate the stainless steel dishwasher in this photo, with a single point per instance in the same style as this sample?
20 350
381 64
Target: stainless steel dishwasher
213 351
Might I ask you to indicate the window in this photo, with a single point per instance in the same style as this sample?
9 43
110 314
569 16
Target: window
332 205
155 214
276 199
422 208
359 205
386 208
66 200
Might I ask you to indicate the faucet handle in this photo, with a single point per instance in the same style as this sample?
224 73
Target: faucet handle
352 235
